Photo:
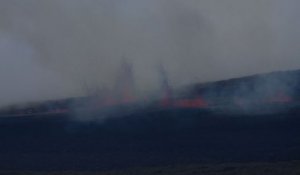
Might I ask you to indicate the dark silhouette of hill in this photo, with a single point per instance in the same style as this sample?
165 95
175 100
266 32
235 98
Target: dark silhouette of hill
156 136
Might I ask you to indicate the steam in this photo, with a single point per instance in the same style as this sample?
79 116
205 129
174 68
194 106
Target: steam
23 79
65 45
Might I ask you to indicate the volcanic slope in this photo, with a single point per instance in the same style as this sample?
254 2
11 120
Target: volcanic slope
151 137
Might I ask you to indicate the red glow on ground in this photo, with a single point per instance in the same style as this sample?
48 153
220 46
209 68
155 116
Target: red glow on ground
191 103
165 102
128 98
281 98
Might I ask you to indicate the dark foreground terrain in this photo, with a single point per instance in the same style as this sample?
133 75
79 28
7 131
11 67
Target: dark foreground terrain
161 138
279 168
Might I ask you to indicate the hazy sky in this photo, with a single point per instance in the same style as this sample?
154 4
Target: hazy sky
51 48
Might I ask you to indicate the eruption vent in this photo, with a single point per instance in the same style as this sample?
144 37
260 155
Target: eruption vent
125 89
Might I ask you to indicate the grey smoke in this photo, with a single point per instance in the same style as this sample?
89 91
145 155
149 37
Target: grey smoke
51 49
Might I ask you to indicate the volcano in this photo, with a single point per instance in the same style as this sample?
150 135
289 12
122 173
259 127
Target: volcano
250 119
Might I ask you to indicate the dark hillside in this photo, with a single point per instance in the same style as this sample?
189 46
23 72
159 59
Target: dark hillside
153 136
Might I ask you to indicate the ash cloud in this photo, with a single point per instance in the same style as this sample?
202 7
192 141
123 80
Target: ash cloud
83 42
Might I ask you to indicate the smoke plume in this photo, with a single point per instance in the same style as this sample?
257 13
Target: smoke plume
53 49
